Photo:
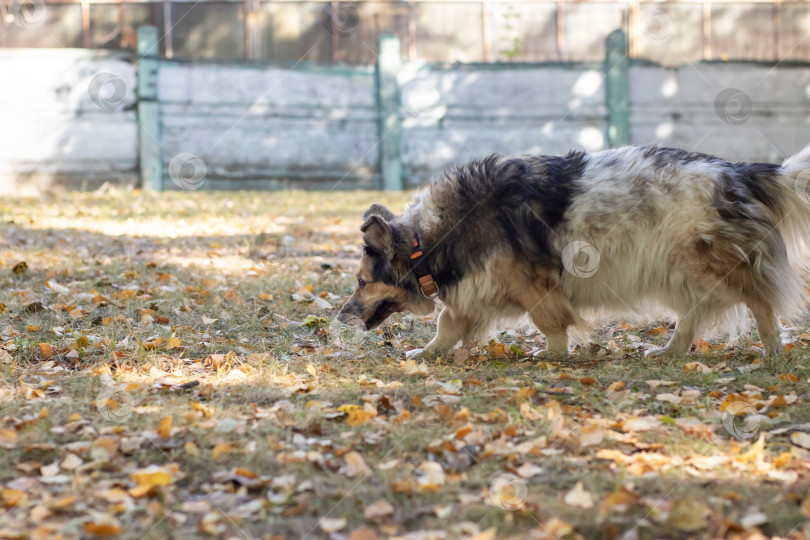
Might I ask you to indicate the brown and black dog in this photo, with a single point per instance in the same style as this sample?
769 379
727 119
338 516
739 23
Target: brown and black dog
619 230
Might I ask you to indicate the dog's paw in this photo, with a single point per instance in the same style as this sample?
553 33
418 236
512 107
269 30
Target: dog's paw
554 354
415 353
658 352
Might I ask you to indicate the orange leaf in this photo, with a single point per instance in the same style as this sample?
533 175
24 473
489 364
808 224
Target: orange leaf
101 530
11 497
165 427
46 350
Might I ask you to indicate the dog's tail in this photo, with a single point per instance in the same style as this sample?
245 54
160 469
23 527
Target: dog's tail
794 224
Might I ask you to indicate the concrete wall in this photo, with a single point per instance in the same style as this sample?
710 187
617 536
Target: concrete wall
52 132
271 127
452 116
737 111
268 127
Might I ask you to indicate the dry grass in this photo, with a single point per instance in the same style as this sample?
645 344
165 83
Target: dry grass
183 306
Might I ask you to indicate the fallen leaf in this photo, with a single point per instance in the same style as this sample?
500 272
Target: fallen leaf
800 438
165 427
46 350
579 497
377 510
330 525
102 530
688 514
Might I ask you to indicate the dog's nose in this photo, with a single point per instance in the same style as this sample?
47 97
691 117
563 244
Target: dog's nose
351 319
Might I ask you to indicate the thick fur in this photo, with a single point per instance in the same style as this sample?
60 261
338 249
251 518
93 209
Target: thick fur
619 230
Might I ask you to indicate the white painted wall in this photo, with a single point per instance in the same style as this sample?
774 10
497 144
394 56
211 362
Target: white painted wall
52 132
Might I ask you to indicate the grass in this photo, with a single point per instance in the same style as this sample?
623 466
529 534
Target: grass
194 332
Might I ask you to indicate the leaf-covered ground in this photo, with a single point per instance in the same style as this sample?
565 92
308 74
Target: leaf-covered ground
169 368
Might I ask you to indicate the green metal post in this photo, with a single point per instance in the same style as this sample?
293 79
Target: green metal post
149 153
617 89
388 104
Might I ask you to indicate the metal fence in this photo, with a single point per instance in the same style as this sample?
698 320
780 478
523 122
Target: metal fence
290 31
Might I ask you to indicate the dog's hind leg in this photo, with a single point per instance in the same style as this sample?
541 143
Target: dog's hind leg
767 326
552 313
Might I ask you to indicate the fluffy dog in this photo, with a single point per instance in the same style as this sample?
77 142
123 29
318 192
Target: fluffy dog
618 230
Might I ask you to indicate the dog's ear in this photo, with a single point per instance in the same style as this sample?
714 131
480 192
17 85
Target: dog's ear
378 210
378 235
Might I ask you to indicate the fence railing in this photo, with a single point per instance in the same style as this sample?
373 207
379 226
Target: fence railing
289 31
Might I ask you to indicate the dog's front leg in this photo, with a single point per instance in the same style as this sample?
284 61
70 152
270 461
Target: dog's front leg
450 329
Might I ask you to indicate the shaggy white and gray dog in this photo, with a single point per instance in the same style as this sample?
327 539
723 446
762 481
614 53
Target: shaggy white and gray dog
620 230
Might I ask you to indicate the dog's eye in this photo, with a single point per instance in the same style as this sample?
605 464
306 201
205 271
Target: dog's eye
361 283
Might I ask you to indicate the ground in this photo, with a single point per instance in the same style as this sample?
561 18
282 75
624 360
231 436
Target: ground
170 367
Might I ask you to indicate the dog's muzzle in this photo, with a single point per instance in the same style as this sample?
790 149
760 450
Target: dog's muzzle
351 319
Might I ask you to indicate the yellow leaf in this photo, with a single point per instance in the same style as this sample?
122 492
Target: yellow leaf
349 407
173 342
358 417
31 328
220 449
754 452
207 412
154 344
154 475
191 448
165 427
